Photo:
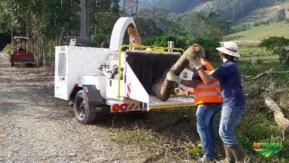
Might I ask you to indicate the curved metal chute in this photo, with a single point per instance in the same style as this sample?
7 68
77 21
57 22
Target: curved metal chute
121 26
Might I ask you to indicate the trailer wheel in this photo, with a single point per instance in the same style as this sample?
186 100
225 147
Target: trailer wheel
84 113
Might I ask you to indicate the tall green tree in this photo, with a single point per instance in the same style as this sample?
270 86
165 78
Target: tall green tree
102 17
45 22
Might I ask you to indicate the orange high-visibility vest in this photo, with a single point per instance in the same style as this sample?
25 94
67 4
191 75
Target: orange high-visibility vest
207 93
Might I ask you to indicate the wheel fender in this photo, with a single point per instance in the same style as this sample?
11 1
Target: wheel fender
73 93
93 95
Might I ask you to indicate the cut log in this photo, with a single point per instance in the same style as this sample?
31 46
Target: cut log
281 121
163 87
133 34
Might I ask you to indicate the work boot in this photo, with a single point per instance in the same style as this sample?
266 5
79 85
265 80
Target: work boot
205 159
238 153
229 155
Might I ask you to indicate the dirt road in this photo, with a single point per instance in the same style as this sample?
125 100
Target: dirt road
36 127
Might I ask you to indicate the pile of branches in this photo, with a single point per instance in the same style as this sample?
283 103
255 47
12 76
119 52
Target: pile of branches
262 94
263 80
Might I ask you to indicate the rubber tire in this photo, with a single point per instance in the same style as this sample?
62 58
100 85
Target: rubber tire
29 64
84 113
12 64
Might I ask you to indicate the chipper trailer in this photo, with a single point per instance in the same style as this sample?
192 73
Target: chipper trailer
121 77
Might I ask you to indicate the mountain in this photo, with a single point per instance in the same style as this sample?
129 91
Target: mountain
265 14
175 6
229 10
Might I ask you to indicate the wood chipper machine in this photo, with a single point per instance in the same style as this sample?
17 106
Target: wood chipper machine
122 78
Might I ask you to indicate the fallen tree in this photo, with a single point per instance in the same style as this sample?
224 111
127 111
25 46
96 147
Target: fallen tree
281 121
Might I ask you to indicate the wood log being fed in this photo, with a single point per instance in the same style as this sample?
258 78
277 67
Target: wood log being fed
163 87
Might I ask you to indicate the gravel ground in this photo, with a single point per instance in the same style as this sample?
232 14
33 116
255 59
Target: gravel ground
36 127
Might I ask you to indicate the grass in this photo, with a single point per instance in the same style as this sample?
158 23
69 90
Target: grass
258 125
159 135
258 33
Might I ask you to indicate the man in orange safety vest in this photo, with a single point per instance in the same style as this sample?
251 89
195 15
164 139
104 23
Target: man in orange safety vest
208 99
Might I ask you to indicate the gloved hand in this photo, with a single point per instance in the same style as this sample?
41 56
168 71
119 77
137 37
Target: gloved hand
196 63
172 77
181 92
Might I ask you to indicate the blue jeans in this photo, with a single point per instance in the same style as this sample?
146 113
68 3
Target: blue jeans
230 118
205 126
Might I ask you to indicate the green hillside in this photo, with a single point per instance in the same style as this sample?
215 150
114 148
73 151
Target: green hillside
175 6
230 10
275 12
260 32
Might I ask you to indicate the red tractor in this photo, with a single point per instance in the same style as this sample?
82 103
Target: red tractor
21 53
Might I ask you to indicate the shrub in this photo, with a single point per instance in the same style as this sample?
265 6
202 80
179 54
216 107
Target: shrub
97 40
8 49
278 45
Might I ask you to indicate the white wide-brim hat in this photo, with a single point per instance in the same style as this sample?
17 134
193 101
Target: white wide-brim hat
229 48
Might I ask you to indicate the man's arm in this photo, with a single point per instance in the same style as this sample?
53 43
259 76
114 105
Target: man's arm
206 78
190 83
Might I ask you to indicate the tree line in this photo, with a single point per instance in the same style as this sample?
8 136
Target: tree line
47 22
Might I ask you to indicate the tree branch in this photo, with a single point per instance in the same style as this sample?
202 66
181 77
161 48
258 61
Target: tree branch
249 78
